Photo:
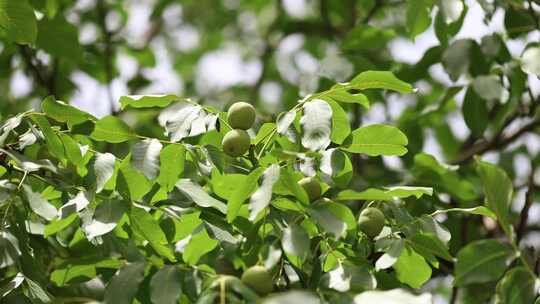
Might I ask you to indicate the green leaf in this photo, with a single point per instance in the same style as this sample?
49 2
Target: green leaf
482 261
172 161
112 129
145 157
479 210
427 243
166 286
242 192
428 170
488 87
366 37
498 190
63 112
132 184
38 204
59 224
392 251
333 218
451 10
456 58
264 131
380 80
199 196
103 169
107 215
475 112
350 277
29 165
517 286
13 284
144 224
529 60
148 101
37 293
417 16
346 97
295 241
284 121
287 178
18 21
261 198
72 149
59 38
51 138
518 21
411 268
200 244
375 140
81 268
124 285
341 127
373 194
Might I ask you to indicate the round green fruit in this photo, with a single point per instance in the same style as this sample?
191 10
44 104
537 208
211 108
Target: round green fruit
258 279
236 142
371 221
312 187
241 115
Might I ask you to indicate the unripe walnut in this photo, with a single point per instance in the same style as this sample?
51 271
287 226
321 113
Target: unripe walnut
371 221
312 187
241 115
258 279
236 142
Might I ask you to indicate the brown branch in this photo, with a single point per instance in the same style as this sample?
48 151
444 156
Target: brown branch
497 142
37 70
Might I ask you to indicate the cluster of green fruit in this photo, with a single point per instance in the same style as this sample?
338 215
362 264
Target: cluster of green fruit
371 222
241 116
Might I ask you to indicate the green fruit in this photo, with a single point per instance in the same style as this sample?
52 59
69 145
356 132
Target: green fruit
258 279
241 115
371 221
312 187
236 142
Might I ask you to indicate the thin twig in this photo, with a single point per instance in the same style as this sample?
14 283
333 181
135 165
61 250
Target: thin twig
497 142
108 53
37 70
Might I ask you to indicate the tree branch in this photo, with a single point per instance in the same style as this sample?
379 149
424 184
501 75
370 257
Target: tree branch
108 52
497 142
36 70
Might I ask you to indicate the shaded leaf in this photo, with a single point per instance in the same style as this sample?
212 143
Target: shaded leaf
144 224
166 286
495 258
124 285
199 196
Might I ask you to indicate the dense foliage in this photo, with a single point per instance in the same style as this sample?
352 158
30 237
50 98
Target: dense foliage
170 199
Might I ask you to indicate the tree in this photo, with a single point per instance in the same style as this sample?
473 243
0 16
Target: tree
160 200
